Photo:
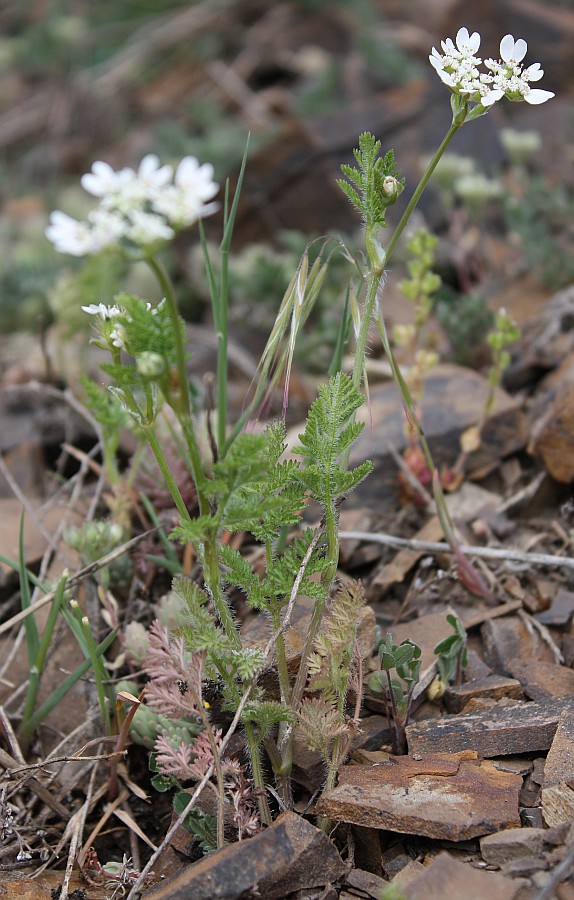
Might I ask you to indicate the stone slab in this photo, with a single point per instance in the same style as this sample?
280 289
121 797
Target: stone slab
450 796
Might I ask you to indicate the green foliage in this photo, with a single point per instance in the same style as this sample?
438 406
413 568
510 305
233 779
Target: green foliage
376 180
202 826
329 433
423 282
452 653
330 662
404 659
202 634
266 715
466 320
543 217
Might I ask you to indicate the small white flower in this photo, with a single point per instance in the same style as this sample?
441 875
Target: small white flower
107 228
147 228
511 51
100 309
151 174
185 201
458 68
68 235
118 337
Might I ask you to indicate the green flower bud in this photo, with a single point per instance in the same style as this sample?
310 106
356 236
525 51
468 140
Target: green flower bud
150 365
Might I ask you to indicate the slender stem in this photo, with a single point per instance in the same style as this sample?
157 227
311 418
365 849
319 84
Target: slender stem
275 613
222 361
181 402
166 286
373 282
154 444
211 573
257 773
419 189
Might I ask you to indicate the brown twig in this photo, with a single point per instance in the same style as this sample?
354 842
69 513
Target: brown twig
505 554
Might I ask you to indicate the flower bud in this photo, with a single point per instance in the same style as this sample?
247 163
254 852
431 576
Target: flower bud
392 187
150 364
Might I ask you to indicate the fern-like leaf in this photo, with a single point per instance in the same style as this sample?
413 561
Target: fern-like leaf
328 434
369 196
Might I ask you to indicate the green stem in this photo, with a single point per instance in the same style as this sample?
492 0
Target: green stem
39 663
257 773
418 191
96 669
166 286
222 361
373 282
154 444
181 402
211 573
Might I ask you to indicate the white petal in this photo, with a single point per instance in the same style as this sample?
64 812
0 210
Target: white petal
537 96
492 97
507 47
462 37
533 72
474 41
520 49
436 61
446 78
148 164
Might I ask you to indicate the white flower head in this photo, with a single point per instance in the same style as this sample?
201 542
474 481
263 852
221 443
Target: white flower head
118 337
511 79
458 68
144 207
104 180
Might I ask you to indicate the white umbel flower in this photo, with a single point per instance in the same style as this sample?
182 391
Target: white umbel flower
458 68
509 76
144 207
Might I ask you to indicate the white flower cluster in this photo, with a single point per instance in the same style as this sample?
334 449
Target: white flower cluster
115 334
143 207
457 67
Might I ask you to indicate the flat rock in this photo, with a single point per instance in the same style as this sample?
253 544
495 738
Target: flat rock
509 638
493 686
446 877
558 804
558 787
366 882
497 731
289 855
554 438
450 796
559 764
542 680
453 400
560 612
512 843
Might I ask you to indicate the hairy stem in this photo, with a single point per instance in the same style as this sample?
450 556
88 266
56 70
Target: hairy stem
257 773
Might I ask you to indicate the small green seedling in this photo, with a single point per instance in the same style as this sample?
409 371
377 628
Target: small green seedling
452 653
397 692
